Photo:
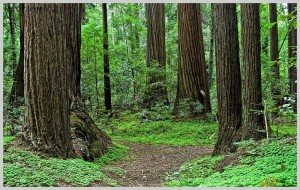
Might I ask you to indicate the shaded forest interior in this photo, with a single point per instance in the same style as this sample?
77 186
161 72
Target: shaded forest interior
150 94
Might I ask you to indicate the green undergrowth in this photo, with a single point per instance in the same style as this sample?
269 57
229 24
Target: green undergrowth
134 128
8 139
284 130
168 132
264 164
25 169
114 153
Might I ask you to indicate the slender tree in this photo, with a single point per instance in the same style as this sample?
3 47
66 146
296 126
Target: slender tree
96 74
135 45
292 54
156 55
17 89
253 119
211 48
107 90
12 24
228 77
192 75
274 55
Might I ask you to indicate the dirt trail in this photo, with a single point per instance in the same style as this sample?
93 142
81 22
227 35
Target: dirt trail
151 163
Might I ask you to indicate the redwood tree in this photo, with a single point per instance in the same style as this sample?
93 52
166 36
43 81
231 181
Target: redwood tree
47 83
274 55
228 77
253 119
156 55
292 54
192 75
52 75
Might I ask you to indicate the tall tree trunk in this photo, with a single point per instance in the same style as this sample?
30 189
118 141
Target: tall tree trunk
17 89
211 48
228 77
253 119
52 85
47 79
292 54
156 55
12 24
192 75
107 90
274 55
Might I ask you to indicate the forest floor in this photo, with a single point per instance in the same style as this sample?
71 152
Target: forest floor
170 153
149 164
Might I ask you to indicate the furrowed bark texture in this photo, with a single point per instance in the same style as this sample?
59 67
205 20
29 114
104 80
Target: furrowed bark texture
253 119
192 74
156 55
47 78
228 77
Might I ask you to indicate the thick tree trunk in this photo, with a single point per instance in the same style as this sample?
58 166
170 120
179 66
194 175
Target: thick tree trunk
192 75
107 90
228 77
47 76
292 54
17 89
274 55
156 55
52 75
253 119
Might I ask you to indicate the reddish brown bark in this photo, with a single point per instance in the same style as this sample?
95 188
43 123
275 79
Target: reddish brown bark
228 77
192 75
253 119
156 91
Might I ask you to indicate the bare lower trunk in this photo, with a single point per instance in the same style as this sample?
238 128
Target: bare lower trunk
192 74
156 91
52 85
253 119
228 77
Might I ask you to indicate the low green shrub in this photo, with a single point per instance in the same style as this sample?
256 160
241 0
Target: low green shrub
269 163
25 169
177 133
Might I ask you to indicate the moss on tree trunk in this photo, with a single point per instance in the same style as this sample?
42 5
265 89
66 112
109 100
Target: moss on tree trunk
89 141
